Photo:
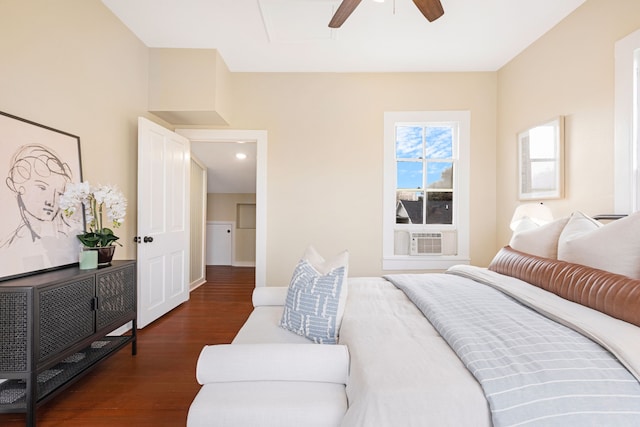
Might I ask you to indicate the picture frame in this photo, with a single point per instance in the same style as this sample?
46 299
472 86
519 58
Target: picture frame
36 163
541 161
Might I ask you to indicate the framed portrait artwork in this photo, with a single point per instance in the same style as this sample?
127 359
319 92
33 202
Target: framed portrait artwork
36 163
541 158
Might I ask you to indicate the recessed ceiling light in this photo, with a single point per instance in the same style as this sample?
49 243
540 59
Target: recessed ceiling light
241 156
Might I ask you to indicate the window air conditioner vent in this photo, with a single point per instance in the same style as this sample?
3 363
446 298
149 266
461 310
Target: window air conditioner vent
426 243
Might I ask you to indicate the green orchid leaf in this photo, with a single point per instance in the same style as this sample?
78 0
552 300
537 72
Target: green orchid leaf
95 239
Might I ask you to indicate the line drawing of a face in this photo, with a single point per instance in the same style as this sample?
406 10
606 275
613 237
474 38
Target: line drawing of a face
38 177
40 196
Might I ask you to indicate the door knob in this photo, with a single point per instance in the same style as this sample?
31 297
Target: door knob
147 239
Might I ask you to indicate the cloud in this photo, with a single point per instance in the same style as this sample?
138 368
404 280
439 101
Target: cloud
409 142
439 142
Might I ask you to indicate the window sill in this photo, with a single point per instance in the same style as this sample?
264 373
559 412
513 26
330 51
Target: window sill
434 262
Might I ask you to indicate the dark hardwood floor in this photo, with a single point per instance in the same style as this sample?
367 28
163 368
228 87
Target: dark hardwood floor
155 387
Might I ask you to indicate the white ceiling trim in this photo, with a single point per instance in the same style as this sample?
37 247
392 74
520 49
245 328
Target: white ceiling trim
307 25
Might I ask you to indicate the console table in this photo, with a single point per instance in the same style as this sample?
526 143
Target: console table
54 326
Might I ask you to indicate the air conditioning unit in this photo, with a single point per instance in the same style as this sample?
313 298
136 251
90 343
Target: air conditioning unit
426 243
433 243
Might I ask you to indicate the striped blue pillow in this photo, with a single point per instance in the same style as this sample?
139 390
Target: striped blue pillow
313 299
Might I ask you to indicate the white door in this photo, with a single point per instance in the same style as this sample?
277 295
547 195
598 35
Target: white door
163 221
219 243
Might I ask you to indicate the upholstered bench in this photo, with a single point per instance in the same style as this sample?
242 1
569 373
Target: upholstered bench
269 376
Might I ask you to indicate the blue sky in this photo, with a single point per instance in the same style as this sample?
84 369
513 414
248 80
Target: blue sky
409 145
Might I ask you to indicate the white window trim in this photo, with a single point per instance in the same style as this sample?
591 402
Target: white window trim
627 146
390 261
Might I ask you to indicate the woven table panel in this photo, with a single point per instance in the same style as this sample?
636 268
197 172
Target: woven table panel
116 295
66 316
13 331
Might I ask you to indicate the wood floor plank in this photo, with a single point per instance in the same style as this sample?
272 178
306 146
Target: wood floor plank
155 387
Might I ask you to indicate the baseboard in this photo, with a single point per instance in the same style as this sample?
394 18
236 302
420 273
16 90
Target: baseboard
244 264
197 284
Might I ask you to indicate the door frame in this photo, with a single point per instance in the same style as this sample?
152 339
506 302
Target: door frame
200 253
260 139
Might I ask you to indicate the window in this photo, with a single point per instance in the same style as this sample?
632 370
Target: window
426 192
424 169
627 120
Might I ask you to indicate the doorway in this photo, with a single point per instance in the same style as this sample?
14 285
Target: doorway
259 138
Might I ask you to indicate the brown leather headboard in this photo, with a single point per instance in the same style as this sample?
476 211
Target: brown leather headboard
612 294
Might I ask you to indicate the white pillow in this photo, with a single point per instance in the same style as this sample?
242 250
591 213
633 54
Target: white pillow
526 224
541 241
325 266
578 225
316 297
613 247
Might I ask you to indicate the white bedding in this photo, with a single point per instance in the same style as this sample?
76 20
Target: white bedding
403 373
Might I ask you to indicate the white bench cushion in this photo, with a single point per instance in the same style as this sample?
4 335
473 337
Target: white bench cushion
268 403
263 326
269 295
273 362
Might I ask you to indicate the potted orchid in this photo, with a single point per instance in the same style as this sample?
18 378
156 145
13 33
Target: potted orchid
100 203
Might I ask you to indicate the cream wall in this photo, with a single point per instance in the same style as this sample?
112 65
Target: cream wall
188 86
223 207
73 66
325 157
569 72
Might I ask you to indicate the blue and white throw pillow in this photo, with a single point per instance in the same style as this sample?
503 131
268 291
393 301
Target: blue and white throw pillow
316 298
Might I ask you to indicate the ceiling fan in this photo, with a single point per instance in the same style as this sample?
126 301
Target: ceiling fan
431 9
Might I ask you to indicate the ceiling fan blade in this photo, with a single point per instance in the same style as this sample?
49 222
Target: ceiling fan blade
343 12
431 9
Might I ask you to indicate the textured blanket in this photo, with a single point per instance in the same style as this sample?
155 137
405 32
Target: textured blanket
533 370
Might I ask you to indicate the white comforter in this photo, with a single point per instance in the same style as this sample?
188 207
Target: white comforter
404 374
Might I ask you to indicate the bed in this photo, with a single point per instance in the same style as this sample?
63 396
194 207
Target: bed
548 334
403 372
406 371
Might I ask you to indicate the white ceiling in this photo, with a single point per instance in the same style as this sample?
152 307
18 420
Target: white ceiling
226 173
293 36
